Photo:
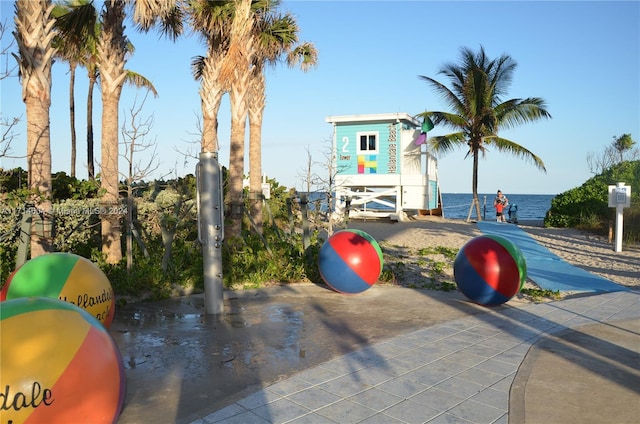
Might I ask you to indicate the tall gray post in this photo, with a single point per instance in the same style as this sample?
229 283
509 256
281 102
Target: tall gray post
211 228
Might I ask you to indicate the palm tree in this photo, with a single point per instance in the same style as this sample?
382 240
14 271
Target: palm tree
212 20
77 25
277 36
236 74
236 32
68 54
78 30
73 47
34 34
478 111
226 27
92 74
622 144
112 49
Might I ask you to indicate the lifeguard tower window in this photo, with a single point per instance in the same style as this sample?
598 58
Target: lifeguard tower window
368 142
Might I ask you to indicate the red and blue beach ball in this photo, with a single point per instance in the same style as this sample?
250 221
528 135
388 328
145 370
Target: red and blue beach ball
59 365
490 270
64 276
350 261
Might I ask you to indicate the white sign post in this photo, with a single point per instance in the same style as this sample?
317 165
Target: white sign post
619 198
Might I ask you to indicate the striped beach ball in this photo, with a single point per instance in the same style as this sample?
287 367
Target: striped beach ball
67 277
59 365
490 270
350 261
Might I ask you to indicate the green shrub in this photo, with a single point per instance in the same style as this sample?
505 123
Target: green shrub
586 207
249 263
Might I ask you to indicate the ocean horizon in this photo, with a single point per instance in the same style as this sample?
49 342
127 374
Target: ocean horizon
530 207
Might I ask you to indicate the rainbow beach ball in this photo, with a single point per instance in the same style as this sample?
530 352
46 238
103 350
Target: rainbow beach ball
67 277
350 261
490 270
59 365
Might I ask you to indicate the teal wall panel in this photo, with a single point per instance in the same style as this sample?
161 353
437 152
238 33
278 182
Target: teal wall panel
433 199
386 161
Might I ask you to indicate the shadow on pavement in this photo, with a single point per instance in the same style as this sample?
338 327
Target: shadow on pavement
182 364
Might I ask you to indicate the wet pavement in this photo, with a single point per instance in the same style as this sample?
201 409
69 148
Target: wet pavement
182 364
306 354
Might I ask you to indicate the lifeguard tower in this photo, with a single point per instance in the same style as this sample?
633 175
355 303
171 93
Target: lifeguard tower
382 168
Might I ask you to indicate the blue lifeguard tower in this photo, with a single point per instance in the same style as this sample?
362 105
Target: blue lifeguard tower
382 169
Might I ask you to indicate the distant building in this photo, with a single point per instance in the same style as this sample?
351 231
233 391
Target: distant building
382 169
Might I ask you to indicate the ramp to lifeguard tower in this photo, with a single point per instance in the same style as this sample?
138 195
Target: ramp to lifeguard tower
546 269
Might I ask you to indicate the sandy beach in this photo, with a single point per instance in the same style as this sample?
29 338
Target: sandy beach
402 241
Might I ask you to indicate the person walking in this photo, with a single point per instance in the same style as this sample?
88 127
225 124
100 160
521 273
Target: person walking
500 203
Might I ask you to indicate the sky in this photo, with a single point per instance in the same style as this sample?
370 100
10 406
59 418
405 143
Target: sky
581 57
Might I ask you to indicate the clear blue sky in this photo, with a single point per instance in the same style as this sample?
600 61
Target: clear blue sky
583 58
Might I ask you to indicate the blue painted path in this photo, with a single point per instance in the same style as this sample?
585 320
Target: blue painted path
545 268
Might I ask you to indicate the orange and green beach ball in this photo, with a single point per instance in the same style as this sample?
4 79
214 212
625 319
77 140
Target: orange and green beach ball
67 277
59 365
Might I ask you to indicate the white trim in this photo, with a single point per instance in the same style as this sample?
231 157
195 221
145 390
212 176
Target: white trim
373 180
359 134
376 117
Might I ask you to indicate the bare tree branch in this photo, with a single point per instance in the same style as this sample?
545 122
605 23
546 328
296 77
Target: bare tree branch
134 133
6 70
310 179
6 124
621 149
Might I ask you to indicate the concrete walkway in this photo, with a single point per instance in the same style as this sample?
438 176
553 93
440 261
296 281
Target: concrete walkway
571 361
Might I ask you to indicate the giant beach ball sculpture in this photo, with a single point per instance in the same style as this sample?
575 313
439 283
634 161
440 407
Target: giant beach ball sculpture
59 365
490 270
67 277
350 261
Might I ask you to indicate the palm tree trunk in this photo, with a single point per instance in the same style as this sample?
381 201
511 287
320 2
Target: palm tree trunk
236 162
111 48
72 116
39 164
210 127
475 185
236 70
33 35
111 232
256 111
211 96
90 161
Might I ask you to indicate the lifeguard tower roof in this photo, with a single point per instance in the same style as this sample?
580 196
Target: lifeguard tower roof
375 117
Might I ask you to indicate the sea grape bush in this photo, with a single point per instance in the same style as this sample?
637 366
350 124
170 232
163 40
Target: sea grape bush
587 207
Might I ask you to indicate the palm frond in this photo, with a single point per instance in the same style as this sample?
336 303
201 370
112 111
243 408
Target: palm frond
305 55
163 14
275 34
445 94
140 81
514 149
76 29
444 118
516 112
197 67
444 144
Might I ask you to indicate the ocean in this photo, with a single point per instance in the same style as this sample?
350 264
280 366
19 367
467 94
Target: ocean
530 206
